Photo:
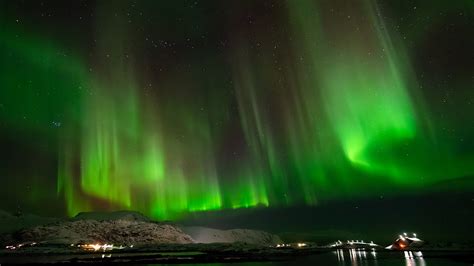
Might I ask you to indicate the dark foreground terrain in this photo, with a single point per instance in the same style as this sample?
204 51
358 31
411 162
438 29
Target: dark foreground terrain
130 237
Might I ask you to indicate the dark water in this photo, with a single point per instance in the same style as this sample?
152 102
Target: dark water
347 257
364 258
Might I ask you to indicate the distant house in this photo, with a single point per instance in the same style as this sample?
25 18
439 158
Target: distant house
405 242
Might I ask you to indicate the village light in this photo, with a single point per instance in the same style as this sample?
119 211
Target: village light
97 247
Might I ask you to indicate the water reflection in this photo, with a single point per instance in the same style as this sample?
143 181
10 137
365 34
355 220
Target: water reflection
363 257
356 257
414 258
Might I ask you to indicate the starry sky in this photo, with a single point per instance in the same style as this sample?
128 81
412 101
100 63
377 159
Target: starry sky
178 108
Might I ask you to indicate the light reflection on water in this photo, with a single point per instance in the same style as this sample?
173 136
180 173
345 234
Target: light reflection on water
356 257
353 257
414 258
362 257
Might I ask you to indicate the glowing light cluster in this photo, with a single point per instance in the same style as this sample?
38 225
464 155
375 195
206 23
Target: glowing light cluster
97 247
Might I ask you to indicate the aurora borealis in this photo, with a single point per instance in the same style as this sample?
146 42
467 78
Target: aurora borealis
187 106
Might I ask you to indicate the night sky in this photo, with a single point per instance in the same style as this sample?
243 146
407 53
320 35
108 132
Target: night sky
266 108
